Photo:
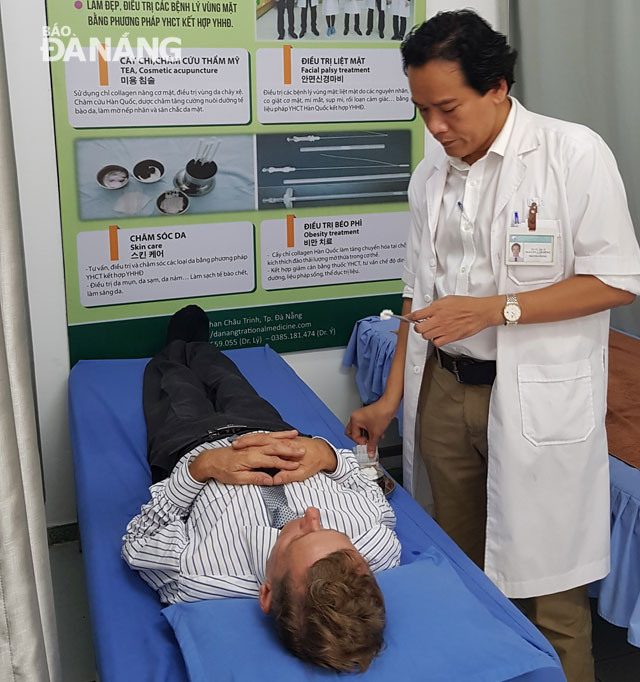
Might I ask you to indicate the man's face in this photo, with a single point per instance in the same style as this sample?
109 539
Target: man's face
515 249
300 544
463 121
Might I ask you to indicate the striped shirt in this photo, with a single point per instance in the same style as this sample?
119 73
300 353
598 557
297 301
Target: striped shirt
195 541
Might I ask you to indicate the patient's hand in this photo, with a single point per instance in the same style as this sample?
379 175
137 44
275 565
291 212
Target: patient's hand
237 465
318 455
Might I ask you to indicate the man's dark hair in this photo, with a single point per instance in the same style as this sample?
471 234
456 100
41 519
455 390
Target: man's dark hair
337 622
484 56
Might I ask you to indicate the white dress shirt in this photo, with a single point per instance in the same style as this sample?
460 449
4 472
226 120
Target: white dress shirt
195 541
463 237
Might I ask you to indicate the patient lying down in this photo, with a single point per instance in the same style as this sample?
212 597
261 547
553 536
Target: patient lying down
244 506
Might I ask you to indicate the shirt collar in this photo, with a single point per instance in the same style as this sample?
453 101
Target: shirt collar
259 542
499 145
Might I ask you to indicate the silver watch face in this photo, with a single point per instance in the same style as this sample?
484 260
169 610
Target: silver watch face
512 312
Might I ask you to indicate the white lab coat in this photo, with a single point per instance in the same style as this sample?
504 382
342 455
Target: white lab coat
303 3
352 6
330 7
548 480
400 8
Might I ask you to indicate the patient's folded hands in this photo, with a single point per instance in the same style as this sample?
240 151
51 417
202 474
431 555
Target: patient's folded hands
318 455
242 465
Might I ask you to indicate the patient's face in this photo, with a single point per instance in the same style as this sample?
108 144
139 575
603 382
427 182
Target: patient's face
300 544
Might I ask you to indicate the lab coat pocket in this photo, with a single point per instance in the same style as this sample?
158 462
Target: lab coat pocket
527 275
556 402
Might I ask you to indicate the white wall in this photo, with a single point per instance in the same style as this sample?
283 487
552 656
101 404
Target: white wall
578 62
30 92
334 384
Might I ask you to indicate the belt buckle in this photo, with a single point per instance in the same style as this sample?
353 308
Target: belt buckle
454 365
456 371
225 431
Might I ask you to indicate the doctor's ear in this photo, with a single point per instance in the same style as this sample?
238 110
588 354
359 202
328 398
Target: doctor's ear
499 92
265 596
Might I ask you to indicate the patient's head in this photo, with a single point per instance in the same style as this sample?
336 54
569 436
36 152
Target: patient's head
327 606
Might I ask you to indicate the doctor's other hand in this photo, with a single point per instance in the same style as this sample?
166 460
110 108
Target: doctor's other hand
368 423
453 318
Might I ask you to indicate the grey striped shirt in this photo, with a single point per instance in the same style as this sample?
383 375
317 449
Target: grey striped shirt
208 540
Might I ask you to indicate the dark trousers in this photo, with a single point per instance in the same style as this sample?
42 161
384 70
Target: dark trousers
380 18
281 6
303 18
356 22
190 389
399 26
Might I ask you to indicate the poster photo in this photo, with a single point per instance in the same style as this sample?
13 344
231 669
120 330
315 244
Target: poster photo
256 177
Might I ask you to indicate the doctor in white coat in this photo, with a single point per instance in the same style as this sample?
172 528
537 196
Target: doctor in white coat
511 406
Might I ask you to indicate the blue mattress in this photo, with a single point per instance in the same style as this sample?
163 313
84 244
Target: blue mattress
133 641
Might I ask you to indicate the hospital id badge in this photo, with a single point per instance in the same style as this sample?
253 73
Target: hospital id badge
526 247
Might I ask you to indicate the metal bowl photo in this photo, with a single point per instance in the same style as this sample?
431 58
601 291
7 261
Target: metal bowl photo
113 177
148 171
172 202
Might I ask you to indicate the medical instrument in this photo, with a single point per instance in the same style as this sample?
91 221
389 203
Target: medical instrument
113 177
172 202
294 169
388 314
148 171
342 148
363 457
315 138
348 178
288 198
198 178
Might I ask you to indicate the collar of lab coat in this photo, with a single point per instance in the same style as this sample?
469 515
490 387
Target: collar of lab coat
523 139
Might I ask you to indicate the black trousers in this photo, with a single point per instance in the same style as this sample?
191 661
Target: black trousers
399 25
303 17
281 6
381 17
190 389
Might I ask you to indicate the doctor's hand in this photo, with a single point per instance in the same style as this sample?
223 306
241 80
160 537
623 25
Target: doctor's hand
453 318
368 423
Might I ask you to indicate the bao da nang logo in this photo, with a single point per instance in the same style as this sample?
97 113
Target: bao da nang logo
59 44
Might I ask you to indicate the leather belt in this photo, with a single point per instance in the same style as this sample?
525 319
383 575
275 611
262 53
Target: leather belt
229 430
216 434
468 370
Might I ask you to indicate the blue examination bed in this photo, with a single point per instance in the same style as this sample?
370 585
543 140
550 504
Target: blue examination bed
133 641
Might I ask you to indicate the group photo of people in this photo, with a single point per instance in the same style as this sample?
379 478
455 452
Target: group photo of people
322 19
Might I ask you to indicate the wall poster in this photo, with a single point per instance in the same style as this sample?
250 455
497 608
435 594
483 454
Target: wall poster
250 157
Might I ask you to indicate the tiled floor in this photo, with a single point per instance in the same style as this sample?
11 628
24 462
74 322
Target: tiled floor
72 613
616 660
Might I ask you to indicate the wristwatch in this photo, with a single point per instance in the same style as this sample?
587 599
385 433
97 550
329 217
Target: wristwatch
511 311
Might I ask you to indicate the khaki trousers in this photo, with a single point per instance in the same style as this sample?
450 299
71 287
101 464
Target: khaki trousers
453 420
